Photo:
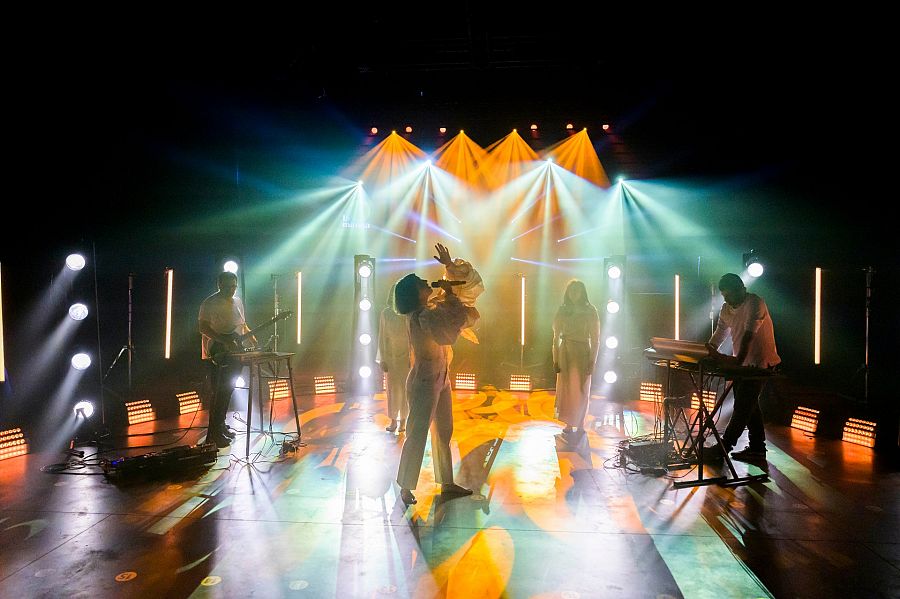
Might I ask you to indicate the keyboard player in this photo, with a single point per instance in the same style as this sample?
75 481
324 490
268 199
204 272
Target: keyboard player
744 318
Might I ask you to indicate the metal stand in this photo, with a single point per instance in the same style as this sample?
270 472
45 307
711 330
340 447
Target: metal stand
273 340
255 361
703 422
128 347
869 272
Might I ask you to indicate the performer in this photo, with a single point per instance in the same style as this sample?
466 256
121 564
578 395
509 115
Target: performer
221 321
432 327
745 319
393 356
576 336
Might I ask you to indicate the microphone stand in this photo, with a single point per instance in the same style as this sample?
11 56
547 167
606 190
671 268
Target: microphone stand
129 347
277 311
869 272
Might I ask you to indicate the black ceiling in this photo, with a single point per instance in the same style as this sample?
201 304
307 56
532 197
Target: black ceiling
687 96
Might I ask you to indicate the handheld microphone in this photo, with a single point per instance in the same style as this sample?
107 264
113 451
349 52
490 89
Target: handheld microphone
443 282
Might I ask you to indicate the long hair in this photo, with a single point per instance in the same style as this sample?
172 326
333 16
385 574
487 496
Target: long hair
406 294
567 301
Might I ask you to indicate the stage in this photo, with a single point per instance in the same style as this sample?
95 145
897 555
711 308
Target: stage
550 517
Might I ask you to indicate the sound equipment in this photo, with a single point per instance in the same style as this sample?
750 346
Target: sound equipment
649 453
174 460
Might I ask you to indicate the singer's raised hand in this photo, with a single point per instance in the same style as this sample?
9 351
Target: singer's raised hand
443 254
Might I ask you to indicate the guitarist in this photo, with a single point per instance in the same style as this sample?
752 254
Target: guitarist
221 323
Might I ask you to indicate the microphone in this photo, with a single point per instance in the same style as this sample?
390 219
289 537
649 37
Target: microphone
443 282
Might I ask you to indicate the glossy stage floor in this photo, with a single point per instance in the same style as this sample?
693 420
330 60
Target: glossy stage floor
549 518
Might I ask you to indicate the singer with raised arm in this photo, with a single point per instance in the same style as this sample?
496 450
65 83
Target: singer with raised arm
433 325
222 325
744 318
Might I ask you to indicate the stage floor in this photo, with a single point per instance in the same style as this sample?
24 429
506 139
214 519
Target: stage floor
548 518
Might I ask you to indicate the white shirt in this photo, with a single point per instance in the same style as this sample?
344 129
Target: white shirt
224 314
752 315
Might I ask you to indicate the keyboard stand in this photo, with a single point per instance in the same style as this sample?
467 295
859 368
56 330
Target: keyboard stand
255 361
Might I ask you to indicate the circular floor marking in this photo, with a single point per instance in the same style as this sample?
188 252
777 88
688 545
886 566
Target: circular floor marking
297 585
125 576
210 581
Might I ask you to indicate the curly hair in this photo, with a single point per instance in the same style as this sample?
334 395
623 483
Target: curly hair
406 294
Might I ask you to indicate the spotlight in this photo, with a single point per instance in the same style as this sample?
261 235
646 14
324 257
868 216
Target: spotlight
442 130
365 372
753 264
569 126
620 178
610 377
81 361
365 305
408 129
614 272
230 266
78 311
84 409
373 131
605 126
612 342
612 306
365 339
75 262
533 127
365 270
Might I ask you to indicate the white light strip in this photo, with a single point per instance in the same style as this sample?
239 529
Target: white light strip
677 307
299 301
523 311
170 277
817 324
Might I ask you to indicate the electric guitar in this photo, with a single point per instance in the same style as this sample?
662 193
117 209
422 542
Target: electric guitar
219 350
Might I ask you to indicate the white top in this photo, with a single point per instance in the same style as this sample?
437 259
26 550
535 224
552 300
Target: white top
224 314
752 315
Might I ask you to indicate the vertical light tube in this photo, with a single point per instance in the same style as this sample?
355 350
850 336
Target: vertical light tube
677 307
2 358
299 301
522 336
170 276
817 323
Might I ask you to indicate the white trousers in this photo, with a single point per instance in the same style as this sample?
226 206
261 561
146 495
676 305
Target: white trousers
430 407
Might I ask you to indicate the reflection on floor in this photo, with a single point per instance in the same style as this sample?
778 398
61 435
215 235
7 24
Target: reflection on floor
551 516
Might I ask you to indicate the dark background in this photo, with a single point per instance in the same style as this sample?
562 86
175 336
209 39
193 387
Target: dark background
152 118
